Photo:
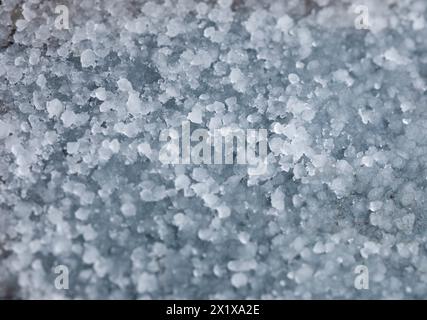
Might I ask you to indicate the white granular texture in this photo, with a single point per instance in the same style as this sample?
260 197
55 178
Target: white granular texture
81 184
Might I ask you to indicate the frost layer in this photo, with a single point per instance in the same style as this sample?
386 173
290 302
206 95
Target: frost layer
81 185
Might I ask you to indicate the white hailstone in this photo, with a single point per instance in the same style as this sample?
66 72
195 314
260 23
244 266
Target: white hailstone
182 182
340 186
82 214
41 81
275 145
144 149
285 23
225 3
293 78
147 283
54 108
202 8
375 205
238 79
406 223
88 58
278 200
299 65
68 118
369 248
124 85
21 24
342 75
4 129
88 232
128 209
101 94
202 58
319 248
243 237
90 255
134 103
34 57
407 249
106 106
239 280
200 174
50 137
407 106
242 265
72 147
174 28
195 116
181 220
114 146
223 211
394 56
303 274
367 161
